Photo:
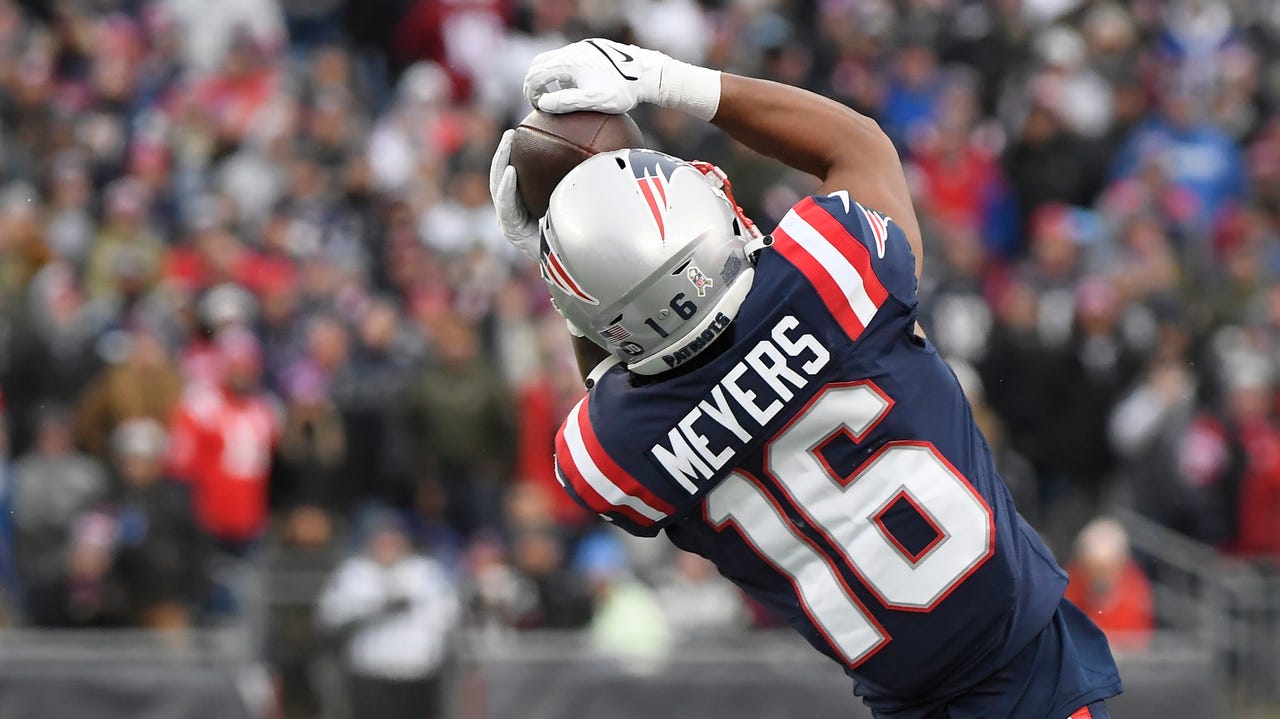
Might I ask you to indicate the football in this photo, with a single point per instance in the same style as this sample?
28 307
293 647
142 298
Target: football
546 147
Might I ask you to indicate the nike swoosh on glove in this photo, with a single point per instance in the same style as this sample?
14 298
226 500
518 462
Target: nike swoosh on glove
514 218
597 75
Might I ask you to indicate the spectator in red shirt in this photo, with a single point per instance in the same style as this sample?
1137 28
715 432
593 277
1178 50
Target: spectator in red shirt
1258 516
1108 585
222 441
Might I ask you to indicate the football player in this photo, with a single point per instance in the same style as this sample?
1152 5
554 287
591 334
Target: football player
771 404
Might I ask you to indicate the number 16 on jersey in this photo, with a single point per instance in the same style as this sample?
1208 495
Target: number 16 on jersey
847 514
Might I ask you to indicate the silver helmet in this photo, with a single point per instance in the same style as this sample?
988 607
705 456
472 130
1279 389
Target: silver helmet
644 253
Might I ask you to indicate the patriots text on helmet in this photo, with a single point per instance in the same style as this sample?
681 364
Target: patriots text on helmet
741 404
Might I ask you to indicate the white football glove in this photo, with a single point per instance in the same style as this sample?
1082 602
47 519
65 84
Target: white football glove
514 218
605 76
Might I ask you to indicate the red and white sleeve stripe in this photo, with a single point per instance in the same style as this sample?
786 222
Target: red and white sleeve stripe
607 488
835 262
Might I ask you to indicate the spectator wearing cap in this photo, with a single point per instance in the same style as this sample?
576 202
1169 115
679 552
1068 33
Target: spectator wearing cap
462 426
313 445
698 602
1251 421
1047 162
71 225
125 248
1174 460
23 250
86 591
52 485
161 555
369 390
1089 375
393 610
1107 584
222 439
1198 156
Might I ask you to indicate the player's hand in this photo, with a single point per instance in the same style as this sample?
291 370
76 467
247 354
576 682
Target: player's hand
514 219
597 75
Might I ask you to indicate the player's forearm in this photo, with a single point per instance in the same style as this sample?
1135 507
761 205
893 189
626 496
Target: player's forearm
846 150
800 128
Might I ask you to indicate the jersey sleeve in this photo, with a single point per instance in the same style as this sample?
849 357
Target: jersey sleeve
856 257
593 477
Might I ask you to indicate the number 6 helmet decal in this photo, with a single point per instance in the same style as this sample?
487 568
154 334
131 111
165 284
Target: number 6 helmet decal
645 254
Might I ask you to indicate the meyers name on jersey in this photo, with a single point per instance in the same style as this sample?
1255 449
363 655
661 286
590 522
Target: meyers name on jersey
785 362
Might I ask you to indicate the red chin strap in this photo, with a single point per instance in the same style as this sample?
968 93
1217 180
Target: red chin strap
711 171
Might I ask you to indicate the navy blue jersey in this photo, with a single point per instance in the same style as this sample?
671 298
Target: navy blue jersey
826 460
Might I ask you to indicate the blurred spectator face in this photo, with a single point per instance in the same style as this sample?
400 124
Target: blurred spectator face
139 447
34 79
53 437
220 250
456 344
378 326
242 359
70 186
1097 305
91 548
553 15
1109 30
331 67
471 188
1146 237
1249 399
147 350
330 119
1102 551
529 507
537 553
1130 100
308 527
388 545
243 57
307 179
1041 125
1052 246
1018 307
917 65
327 343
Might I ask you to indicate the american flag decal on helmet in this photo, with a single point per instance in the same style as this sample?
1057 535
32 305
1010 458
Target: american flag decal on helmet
615 333
653 171
553 271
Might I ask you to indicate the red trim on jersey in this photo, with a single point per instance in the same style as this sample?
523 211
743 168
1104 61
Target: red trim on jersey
598 504
1082 713
853 250
857 438
848 563
795 585
615 473
818 276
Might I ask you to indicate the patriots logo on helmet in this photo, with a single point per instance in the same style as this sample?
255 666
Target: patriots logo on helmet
553 271
653 172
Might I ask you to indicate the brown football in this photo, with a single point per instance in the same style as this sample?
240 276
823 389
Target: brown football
547 146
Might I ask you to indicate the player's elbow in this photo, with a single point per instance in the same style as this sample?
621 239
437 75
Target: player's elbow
862 142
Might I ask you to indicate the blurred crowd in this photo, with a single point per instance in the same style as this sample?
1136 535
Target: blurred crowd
255 310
